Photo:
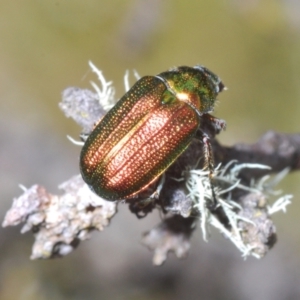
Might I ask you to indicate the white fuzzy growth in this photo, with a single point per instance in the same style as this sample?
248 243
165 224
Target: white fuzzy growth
127 84
75 142
106 92
280 204
199 188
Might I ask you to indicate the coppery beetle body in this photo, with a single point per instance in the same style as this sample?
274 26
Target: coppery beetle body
147 129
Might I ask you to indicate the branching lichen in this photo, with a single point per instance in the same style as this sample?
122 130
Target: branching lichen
242 186
59 223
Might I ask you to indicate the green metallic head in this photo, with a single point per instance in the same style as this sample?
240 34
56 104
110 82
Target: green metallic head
196 86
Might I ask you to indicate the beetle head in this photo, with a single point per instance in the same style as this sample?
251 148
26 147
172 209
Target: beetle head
196 86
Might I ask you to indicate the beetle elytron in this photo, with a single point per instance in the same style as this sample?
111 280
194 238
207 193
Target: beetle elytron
147 129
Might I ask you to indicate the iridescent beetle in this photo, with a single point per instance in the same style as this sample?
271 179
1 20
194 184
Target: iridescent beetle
147 129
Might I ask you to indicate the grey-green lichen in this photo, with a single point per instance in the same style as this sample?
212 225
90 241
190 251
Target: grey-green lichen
243 190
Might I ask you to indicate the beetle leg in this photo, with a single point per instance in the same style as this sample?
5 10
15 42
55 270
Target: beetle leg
217 124
159 187
209 164
143 206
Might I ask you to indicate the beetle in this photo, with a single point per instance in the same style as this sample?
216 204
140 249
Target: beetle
147 130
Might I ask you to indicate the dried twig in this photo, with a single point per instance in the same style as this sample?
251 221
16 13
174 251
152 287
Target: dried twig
243 214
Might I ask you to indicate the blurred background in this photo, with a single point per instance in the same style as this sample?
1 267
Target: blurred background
253 45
